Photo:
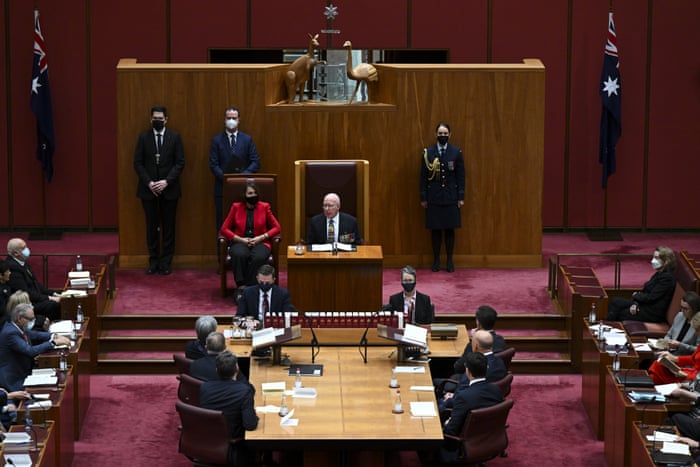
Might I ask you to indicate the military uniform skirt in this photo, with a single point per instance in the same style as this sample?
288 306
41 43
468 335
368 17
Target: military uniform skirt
438 216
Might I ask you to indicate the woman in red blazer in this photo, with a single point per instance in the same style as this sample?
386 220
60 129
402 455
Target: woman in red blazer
689 364
249 227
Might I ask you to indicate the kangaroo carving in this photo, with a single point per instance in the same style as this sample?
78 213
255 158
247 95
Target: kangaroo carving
300 70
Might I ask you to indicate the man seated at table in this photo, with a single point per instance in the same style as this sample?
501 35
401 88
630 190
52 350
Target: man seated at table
495 368
205 368
204 326
485 318
235 399
265 297
46 301
19 344
410 302
332 225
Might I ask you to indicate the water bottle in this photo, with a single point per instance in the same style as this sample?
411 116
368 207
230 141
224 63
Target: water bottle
591 315
78 263
283 408
79 317
393 382
335 249
297 381
62 363
299 249
398 406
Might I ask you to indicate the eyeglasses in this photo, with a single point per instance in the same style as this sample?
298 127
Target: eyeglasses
328 206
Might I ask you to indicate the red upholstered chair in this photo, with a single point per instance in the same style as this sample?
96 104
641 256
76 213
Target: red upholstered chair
182 363
483 435
505 383
315 178
506 355
204 435
188 391
232 192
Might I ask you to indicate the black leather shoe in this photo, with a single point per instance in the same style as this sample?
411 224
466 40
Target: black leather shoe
165 271
151 271
450 267
436 267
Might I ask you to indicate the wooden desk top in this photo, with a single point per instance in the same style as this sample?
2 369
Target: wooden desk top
364 253
353 406
350 337
45 456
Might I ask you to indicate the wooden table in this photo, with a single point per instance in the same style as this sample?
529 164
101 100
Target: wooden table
61 412
351 418
640 455
594 363
621 413
45 455
348 281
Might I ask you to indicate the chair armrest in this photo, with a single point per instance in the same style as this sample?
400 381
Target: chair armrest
452 437
440 389
234 441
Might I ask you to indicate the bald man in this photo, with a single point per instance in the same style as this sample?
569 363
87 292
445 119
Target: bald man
332 225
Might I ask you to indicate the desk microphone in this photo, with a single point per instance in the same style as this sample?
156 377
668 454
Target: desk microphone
42 406
627 372
314 339
643 425
363 339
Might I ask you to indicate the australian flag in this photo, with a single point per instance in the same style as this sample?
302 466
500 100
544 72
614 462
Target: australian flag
610 121
41 102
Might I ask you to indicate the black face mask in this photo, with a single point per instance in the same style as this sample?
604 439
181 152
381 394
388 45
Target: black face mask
443 140
408 286
252 200
265 287
158 125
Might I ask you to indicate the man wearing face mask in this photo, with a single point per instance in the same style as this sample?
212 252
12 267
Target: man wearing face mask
249 228
46 301
442 185
414 305
651 303
159 159
232 151
19 344
266 297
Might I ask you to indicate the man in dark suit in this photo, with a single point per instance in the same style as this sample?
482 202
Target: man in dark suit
485 318
159 159
478 394
235 399
19 344
442 185
264 297
415 305
204 326
232 151
332 225
46 301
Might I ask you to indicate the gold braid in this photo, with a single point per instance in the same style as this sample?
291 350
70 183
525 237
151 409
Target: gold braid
433 167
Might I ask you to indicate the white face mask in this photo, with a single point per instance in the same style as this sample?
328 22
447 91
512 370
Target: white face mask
656 263
231 123
25 252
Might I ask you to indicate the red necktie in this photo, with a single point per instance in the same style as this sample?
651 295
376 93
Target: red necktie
266 304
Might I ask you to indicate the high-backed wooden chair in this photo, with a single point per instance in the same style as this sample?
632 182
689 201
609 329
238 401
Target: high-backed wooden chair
233 192
506 355
188 391
182 363
349 178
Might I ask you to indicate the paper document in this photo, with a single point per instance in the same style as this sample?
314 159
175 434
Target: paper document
61 327
276 387
409 369
615 339
329 247
16 438
73 293
39 405
18 460
304 393
40 380
642 347
662 436
287 420
423 388
41 397
670 447
666 389
79 274
268 409
423 409
415 334
44 372
263 337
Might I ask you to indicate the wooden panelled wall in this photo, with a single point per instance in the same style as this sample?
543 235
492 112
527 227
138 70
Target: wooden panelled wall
497 117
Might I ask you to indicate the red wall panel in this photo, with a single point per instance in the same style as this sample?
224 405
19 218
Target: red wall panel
540 28
674 157
198 26
124 29
286 24
460 26
4 160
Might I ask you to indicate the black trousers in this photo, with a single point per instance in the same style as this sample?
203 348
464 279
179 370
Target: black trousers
160 231
246 261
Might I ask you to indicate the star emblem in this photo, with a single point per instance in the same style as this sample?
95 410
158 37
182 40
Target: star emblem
35 85
331 11
610 86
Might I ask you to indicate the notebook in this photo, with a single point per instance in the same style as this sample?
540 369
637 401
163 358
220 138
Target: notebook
306 370
634 380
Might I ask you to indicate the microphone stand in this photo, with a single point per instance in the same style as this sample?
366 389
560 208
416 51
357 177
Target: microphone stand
363 339
314 339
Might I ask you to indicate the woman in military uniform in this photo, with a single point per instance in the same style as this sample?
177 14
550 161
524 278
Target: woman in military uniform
442 193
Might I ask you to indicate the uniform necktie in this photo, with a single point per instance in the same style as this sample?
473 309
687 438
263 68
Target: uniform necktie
265 305
331 231
442 153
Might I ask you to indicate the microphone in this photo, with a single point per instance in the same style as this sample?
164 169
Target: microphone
29 426
42 405
314 339
627 371
363 339
643 425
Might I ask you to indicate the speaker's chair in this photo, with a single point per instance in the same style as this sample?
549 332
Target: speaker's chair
233 192
349 178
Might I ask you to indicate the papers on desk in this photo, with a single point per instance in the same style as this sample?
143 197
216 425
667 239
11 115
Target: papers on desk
671 447
268 409
40 380
18 460
612 340
41 397
287 420
606 329
39 405
423 409
73 293
666 389
17 438
642 347
62 327
329 247
304 393
265 337
273 388
662 436
637 397
415 335
409 369
423 388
